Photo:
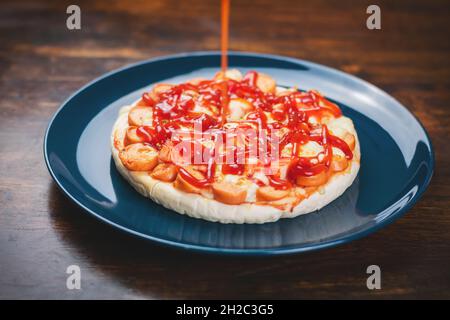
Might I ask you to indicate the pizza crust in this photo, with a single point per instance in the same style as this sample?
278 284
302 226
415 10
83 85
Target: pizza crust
197 206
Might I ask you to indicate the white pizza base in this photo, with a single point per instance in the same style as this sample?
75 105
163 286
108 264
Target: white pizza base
197 206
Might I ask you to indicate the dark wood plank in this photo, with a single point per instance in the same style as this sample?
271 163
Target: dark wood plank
41 63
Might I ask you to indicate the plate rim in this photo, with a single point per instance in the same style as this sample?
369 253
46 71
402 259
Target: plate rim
237 251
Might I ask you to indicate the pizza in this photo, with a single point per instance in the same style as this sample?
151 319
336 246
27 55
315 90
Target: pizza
236 148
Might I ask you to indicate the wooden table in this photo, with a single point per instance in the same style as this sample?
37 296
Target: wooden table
42 63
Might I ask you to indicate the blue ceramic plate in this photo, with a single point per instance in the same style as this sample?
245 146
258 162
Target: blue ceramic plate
396 166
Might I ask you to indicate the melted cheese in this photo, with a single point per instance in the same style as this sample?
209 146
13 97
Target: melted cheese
310 149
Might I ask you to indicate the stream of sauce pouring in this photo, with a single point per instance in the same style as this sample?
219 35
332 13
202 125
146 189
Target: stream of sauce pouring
225 17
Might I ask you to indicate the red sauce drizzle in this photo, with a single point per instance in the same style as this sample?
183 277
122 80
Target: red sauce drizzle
174 109
199 183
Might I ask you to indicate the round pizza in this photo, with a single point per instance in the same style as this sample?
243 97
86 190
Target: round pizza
236 149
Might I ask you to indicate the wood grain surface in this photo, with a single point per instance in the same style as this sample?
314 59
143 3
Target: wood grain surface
42 63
